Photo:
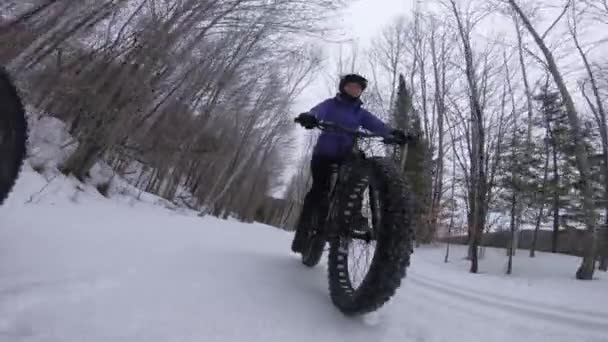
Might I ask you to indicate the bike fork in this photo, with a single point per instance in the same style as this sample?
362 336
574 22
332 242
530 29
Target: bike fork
334 181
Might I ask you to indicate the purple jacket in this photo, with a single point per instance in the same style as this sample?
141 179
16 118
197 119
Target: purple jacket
348 114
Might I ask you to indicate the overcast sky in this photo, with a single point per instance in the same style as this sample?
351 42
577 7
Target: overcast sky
360 22
364 19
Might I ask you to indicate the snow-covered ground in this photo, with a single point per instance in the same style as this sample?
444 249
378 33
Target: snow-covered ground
75 266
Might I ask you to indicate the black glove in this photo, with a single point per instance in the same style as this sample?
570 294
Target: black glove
399 136
307 120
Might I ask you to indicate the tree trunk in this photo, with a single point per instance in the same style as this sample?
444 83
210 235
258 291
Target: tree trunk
447 246
440 91
585 271
510 248
469 241
82 160
604 255
556 201
542 202
603 263
475 252
600 116
452 209
172 185
478 176
536 229
516 181
28 15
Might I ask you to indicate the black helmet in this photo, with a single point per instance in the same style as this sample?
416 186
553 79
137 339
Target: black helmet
352 78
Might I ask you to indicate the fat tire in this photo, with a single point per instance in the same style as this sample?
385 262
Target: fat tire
393 244
313 244
13 126
313 250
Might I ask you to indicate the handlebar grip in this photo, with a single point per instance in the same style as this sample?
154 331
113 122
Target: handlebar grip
409 139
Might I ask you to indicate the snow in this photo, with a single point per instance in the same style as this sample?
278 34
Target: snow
76 266
50 145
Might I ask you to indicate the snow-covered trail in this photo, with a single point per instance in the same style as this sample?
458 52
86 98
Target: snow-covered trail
101 270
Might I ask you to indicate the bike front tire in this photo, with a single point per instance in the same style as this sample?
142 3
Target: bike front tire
393 238
13 134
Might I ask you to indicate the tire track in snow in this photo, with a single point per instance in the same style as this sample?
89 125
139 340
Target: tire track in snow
544 312
469 321
425 308
509 299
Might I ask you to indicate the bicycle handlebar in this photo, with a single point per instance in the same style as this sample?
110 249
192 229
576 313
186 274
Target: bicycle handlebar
334 127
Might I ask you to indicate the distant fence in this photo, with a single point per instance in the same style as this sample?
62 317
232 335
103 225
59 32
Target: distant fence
569 241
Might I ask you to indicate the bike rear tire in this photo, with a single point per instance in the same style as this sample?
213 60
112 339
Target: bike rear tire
13 134
313 242
313 251
394 234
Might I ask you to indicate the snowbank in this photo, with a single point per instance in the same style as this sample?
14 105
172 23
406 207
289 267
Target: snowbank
50 144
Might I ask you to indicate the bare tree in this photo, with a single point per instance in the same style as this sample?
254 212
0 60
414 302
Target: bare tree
587 267
542 198
191 96
478 180
387 52
597 108
423 47
440 61
452 205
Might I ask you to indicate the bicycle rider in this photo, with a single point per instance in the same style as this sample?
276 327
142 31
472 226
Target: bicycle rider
345 109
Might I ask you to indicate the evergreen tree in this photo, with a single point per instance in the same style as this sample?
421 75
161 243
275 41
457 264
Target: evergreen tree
564 184
518 172
417 164
544 182
553 118
403 106
517 178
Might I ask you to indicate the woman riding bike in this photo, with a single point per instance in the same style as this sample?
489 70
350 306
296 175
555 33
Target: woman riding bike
333 148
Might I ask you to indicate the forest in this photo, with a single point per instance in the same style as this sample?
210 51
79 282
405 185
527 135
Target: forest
194 100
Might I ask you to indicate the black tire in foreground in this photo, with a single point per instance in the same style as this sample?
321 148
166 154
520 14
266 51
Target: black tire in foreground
393 238
13 134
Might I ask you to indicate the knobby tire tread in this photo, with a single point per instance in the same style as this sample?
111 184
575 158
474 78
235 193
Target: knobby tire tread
13 123
394 239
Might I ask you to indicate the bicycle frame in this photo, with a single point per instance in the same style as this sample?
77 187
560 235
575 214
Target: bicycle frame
327 227
400 152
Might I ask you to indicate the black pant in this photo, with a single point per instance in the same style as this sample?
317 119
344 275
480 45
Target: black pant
317 197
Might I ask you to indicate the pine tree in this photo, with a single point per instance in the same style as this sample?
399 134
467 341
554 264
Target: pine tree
512 181
417 165
417 173
403 106
554 120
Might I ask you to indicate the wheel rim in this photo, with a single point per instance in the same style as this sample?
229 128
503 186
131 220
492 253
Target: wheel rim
360 251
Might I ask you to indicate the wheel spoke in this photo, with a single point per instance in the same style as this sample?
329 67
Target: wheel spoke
361 252
366 265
